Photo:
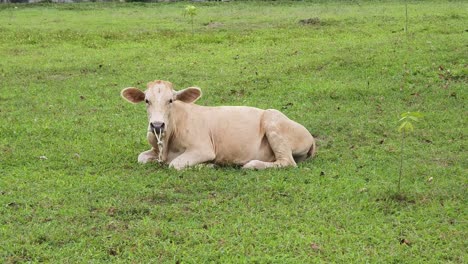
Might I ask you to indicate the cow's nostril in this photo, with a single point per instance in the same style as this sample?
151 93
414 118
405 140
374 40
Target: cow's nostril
157 126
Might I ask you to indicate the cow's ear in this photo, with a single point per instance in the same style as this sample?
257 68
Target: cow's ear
133 95
189 95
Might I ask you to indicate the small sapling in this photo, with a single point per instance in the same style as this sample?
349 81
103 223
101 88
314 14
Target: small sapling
406 126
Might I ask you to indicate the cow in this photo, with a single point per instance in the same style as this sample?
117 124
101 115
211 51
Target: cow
184 134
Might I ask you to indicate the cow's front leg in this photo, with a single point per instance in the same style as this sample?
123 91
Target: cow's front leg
190 158
151 155
148 156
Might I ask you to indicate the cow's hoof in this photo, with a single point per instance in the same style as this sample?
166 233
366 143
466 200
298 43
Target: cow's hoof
255 165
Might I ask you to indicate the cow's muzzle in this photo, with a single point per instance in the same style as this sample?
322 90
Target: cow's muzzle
157 127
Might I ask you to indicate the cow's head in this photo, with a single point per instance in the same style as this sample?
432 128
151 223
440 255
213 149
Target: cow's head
159 97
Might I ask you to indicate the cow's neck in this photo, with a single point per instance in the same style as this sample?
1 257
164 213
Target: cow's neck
179 114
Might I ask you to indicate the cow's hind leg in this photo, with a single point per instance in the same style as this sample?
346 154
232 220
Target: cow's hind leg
275 125
302 155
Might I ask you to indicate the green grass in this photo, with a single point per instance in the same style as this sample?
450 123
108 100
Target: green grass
346 78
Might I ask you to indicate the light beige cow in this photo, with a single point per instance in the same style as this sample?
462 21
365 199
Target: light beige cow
240 135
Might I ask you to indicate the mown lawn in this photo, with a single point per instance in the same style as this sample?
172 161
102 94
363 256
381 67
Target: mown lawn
72 192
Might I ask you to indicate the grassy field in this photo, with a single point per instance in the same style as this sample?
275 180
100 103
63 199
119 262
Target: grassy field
71 190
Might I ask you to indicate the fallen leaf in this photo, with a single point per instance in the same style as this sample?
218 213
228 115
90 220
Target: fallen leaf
13 205
405 242
286 106
112 252
315 246
111 211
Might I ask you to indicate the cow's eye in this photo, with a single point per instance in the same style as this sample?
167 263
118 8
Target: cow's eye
147 101
170 101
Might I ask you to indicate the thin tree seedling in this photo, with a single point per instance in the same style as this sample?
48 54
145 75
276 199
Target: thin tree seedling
406 18
406 126
191 11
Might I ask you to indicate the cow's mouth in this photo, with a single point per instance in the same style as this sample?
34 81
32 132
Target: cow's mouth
158 131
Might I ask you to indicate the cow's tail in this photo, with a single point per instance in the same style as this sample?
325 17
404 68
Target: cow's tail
312 149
